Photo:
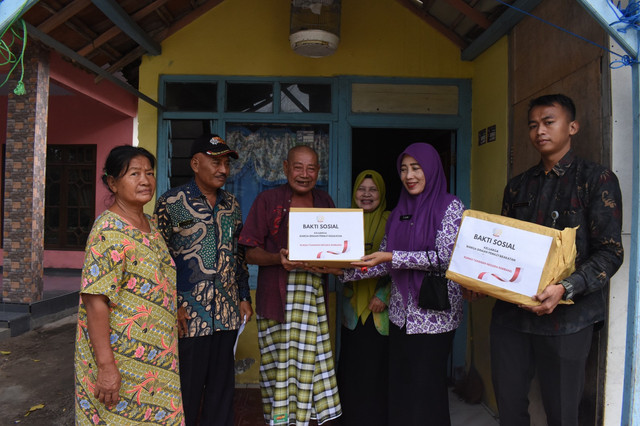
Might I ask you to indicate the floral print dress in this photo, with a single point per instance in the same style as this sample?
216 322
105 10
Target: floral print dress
135 271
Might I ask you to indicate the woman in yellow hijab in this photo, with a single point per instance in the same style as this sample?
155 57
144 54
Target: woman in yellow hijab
363 362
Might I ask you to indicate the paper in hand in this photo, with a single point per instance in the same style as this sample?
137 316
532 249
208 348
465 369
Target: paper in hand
240 330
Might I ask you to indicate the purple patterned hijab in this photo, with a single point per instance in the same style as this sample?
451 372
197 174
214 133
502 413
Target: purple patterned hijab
413 224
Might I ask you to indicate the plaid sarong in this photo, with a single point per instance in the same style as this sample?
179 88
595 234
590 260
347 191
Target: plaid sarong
297 376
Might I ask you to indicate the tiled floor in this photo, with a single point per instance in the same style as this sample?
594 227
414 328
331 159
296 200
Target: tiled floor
248 410
463 414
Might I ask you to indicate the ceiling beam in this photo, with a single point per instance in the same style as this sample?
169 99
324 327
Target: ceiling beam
63 15
165 16
188 18
429 19
499 28
79 27
123 61
100 40
184 21
115 30
69 53
121 18
473 14
426 4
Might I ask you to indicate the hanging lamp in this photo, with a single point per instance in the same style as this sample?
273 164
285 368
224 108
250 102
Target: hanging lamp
314 30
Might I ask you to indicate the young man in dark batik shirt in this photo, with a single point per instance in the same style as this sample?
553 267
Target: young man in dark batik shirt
561 191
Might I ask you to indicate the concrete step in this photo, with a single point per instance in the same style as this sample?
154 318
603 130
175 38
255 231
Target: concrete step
19 318
53 302
16 322
5 333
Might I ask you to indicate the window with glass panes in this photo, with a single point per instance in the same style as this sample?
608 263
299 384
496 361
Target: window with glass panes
260 119
69 196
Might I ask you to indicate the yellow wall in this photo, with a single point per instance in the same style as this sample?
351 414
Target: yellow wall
490 107
248 37
488 177
378 38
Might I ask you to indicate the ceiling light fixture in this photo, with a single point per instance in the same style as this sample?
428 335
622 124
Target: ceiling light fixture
314 29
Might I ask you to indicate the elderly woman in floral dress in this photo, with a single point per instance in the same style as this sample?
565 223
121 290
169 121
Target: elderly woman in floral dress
126 359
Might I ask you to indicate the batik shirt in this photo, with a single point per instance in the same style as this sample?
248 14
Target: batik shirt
211 267
575 193
134 270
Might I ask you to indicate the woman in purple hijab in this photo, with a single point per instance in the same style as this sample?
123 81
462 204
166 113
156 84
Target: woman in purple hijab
419 237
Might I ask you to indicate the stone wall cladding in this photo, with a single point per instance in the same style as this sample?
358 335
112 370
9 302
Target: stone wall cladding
24 195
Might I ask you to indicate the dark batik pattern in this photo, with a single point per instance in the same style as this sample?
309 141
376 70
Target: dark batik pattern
577 193
211 267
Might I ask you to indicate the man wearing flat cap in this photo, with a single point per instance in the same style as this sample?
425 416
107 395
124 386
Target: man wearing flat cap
201 223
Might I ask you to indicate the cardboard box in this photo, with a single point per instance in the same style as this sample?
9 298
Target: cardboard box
326 237
510 259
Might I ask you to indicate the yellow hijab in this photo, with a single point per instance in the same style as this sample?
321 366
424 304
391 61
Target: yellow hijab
374 226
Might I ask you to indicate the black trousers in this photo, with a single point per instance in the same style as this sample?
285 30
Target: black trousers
207 378
363 375
560 362
418 390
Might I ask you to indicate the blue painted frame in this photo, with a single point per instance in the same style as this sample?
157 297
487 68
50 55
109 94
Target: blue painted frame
341 121
631 392
602 11
461 123
220 117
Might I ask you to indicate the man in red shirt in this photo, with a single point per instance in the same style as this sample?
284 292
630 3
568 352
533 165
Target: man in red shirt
293 329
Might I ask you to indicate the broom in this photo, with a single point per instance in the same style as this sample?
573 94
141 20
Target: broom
470 388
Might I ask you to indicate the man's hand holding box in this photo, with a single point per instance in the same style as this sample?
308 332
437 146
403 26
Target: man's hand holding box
510 259
326 237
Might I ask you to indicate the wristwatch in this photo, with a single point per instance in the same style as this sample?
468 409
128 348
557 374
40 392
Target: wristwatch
568 290
245 299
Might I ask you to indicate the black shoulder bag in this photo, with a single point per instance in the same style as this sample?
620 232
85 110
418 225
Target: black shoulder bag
434 292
